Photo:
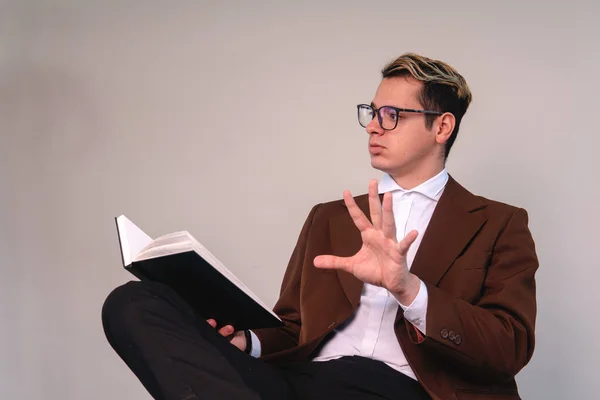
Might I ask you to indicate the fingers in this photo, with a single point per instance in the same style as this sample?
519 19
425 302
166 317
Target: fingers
333 262
388 225
374 204
227 330
405 243
361 222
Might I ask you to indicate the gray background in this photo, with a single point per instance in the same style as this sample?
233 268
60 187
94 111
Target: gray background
231 119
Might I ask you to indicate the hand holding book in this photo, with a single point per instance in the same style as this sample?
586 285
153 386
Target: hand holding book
238 339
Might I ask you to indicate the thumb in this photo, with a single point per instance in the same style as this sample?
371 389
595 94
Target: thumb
405 243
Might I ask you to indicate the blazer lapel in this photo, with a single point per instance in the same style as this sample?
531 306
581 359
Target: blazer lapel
452 226
343 226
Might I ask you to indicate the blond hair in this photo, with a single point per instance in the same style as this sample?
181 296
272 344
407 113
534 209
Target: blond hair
444 89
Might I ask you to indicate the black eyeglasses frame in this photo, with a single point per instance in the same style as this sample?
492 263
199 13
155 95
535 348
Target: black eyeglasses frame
396 109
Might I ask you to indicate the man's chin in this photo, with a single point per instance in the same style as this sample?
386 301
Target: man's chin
379 165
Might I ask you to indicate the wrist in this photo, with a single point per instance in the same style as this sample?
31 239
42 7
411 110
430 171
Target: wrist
409 292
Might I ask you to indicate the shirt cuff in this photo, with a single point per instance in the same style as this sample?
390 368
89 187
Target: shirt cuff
416 312
256 350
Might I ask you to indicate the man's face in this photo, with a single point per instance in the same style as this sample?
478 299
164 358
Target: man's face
409 147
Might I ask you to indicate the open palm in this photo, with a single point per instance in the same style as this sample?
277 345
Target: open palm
381 261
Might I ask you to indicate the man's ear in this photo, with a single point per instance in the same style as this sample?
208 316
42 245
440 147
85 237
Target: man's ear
443 127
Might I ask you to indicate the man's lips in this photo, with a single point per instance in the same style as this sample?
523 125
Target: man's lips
375 148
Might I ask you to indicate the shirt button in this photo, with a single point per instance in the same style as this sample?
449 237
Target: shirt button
444 333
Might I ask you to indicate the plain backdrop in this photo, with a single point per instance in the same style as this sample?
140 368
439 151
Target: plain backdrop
231 119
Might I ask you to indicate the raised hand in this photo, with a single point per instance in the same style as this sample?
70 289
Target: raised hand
381 261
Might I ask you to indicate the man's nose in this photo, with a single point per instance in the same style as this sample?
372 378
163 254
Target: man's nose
374 128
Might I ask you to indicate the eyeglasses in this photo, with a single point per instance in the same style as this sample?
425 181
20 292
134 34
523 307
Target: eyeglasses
387 115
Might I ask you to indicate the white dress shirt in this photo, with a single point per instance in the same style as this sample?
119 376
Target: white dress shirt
369 332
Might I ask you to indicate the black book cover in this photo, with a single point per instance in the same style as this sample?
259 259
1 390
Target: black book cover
206 290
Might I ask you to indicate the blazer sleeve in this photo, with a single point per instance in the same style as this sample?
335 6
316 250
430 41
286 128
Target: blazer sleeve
495 336
273 340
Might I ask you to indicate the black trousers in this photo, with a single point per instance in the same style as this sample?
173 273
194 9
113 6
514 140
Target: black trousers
177 355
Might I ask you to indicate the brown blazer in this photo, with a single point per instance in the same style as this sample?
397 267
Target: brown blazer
478 260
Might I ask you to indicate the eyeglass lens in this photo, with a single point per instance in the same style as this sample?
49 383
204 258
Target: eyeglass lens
387 116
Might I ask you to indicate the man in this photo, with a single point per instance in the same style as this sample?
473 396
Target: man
425 292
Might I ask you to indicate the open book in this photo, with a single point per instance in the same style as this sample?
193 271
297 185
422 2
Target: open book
182 263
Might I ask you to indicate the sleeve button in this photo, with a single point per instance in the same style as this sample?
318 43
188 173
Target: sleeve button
444 333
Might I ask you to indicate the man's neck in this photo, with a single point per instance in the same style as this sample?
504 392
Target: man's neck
412 179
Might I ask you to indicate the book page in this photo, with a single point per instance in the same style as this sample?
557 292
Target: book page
172 243
132 239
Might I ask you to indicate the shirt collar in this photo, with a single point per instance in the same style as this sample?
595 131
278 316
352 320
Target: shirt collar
431 188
